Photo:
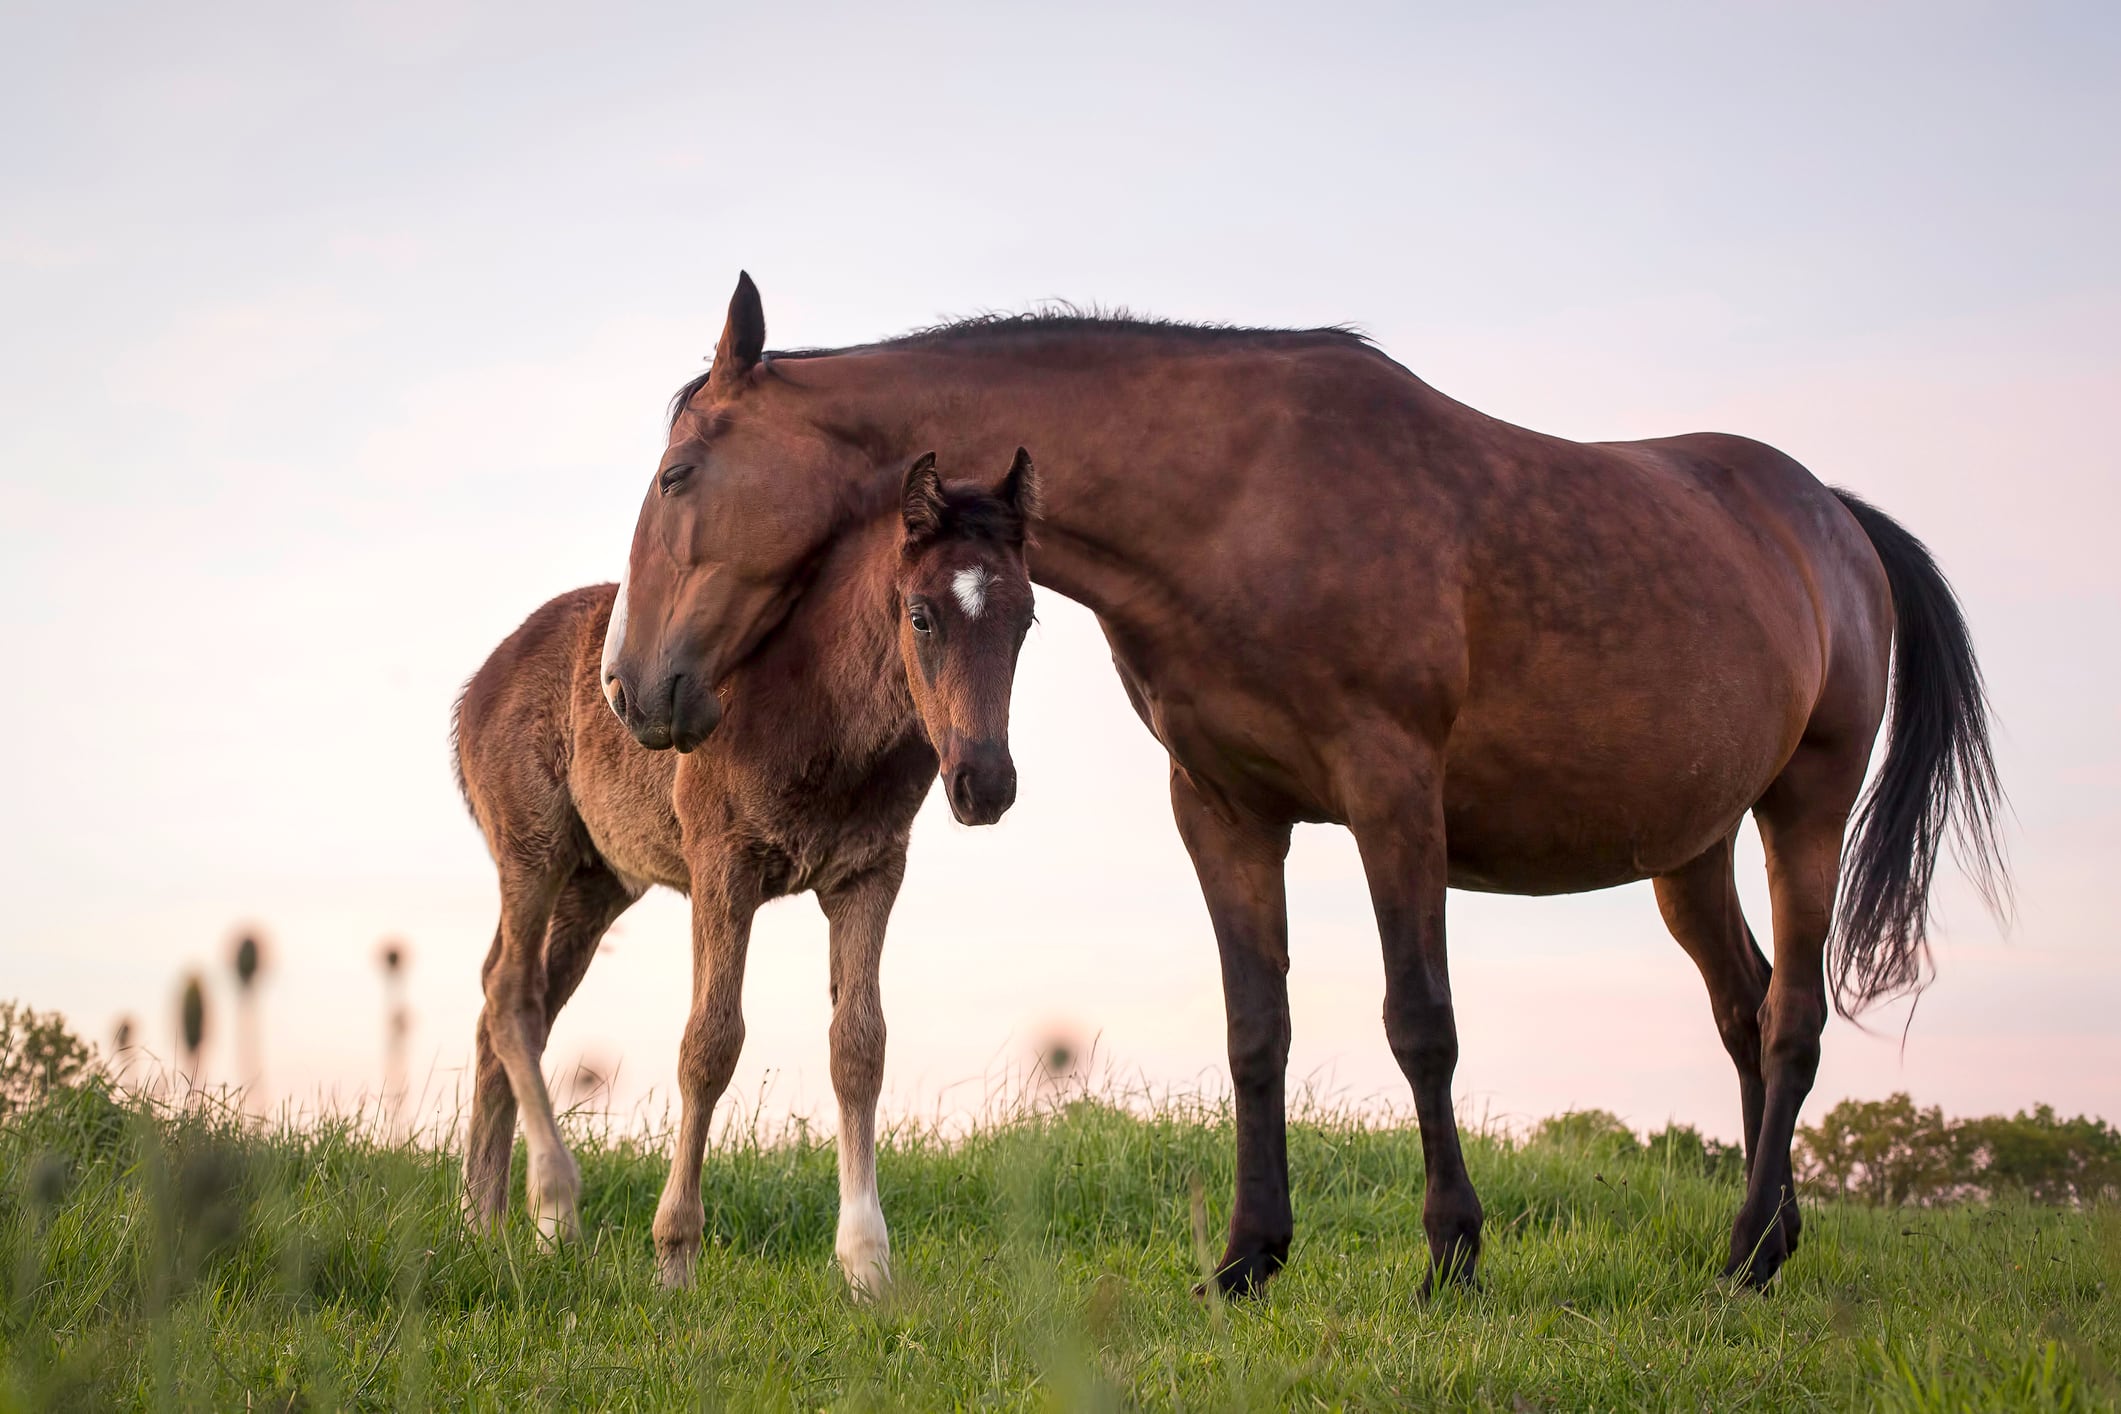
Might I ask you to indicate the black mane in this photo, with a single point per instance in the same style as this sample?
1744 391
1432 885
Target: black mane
1057 318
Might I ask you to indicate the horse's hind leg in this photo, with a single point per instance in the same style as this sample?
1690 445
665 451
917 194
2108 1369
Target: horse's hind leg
1700 906
491 1135
858 913
514 1024
585 907
589 903
1802 820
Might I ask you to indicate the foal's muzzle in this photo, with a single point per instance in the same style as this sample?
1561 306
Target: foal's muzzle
980 783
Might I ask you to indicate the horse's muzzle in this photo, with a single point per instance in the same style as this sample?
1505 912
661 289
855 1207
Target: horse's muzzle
677 712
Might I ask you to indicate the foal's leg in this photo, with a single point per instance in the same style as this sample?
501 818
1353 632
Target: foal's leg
514 1024
858 912
587 904
591 902
1239 861
1399 828
723 900
1802 819
491 1135
1700 905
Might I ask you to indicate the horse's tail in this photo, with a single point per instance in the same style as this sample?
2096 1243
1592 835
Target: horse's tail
1938 781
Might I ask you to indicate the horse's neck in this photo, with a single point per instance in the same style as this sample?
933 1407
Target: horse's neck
835 661
1093 428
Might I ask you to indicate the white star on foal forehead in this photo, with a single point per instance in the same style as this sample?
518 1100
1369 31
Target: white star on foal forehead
970 587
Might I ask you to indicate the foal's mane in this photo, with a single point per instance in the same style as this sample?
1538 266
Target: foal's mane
1056 319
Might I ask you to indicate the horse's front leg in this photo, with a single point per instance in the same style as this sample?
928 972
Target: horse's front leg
724 896
1398 825
1239 861
858 912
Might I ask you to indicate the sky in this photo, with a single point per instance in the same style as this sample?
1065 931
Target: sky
335 339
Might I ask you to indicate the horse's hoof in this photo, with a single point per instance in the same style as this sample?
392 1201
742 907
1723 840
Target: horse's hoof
1241 1278
869 1282
868 1272
674 1264
559 1226
483 1216
1759 1265
1457 1278
864 1252
555 1188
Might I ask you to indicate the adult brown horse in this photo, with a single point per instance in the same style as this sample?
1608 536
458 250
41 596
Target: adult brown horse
1505 661
913 620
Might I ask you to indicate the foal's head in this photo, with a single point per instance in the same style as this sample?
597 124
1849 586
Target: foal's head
964 600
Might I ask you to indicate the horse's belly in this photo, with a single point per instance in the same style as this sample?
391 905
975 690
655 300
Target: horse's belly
1548 836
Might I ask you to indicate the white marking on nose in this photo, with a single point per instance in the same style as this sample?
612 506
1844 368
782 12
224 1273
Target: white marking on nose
615 635
970 587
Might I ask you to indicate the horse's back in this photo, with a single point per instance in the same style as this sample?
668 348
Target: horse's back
1653 628
1771 493
511 732
546 768
1844 574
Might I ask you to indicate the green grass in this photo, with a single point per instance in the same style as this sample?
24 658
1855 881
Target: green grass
1048 1261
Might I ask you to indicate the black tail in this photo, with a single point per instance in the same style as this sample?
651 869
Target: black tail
1939 780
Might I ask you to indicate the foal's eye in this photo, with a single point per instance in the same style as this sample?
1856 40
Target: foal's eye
918 616
673 477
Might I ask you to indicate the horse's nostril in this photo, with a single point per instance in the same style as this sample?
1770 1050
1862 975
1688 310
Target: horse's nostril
615 694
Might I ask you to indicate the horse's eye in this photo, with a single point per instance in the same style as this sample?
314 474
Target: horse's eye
919 618
674 476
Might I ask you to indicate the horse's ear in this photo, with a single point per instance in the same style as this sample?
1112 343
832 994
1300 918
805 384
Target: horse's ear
1019 491
922 503
743 340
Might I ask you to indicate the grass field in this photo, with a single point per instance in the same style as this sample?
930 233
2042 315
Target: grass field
1047 1261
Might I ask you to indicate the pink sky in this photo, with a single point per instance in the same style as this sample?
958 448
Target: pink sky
337 345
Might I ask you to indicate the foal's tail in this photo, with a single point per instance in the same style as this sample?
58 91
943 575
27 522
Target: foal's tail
456 747
1938 781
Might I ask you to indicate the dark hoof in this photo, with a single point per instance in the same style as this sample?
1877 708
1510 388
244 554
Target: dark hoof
1458 1277
1242 1277
1755 1260
1758 1266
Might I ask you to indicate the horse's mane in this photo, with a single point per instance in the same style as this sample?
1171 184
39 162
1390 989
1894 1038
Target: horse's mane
1056 317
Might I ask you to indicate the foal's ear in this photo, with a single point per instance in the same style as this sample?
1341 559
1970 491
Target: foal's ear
743 340
921 505
1019 491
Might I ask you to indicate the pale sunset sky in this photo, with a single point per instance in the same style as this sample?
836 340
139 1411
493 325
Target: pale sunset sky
337 338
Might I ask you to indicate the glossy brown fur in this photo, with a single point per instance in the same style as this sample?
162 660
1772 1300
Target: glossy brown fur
811 784
1505 661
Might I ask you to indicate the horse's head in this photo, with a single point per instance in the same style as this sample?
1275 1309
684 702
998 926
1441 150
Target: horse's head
964 597
741 504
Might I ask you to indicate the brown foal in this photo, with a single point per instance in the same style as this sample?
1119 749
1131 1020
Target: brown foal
901 654
1504 661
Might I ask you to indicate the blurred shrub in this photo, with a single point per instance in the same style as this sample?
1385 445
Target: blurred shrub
37 1056
1889 1153
1684 1148
1591 1131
